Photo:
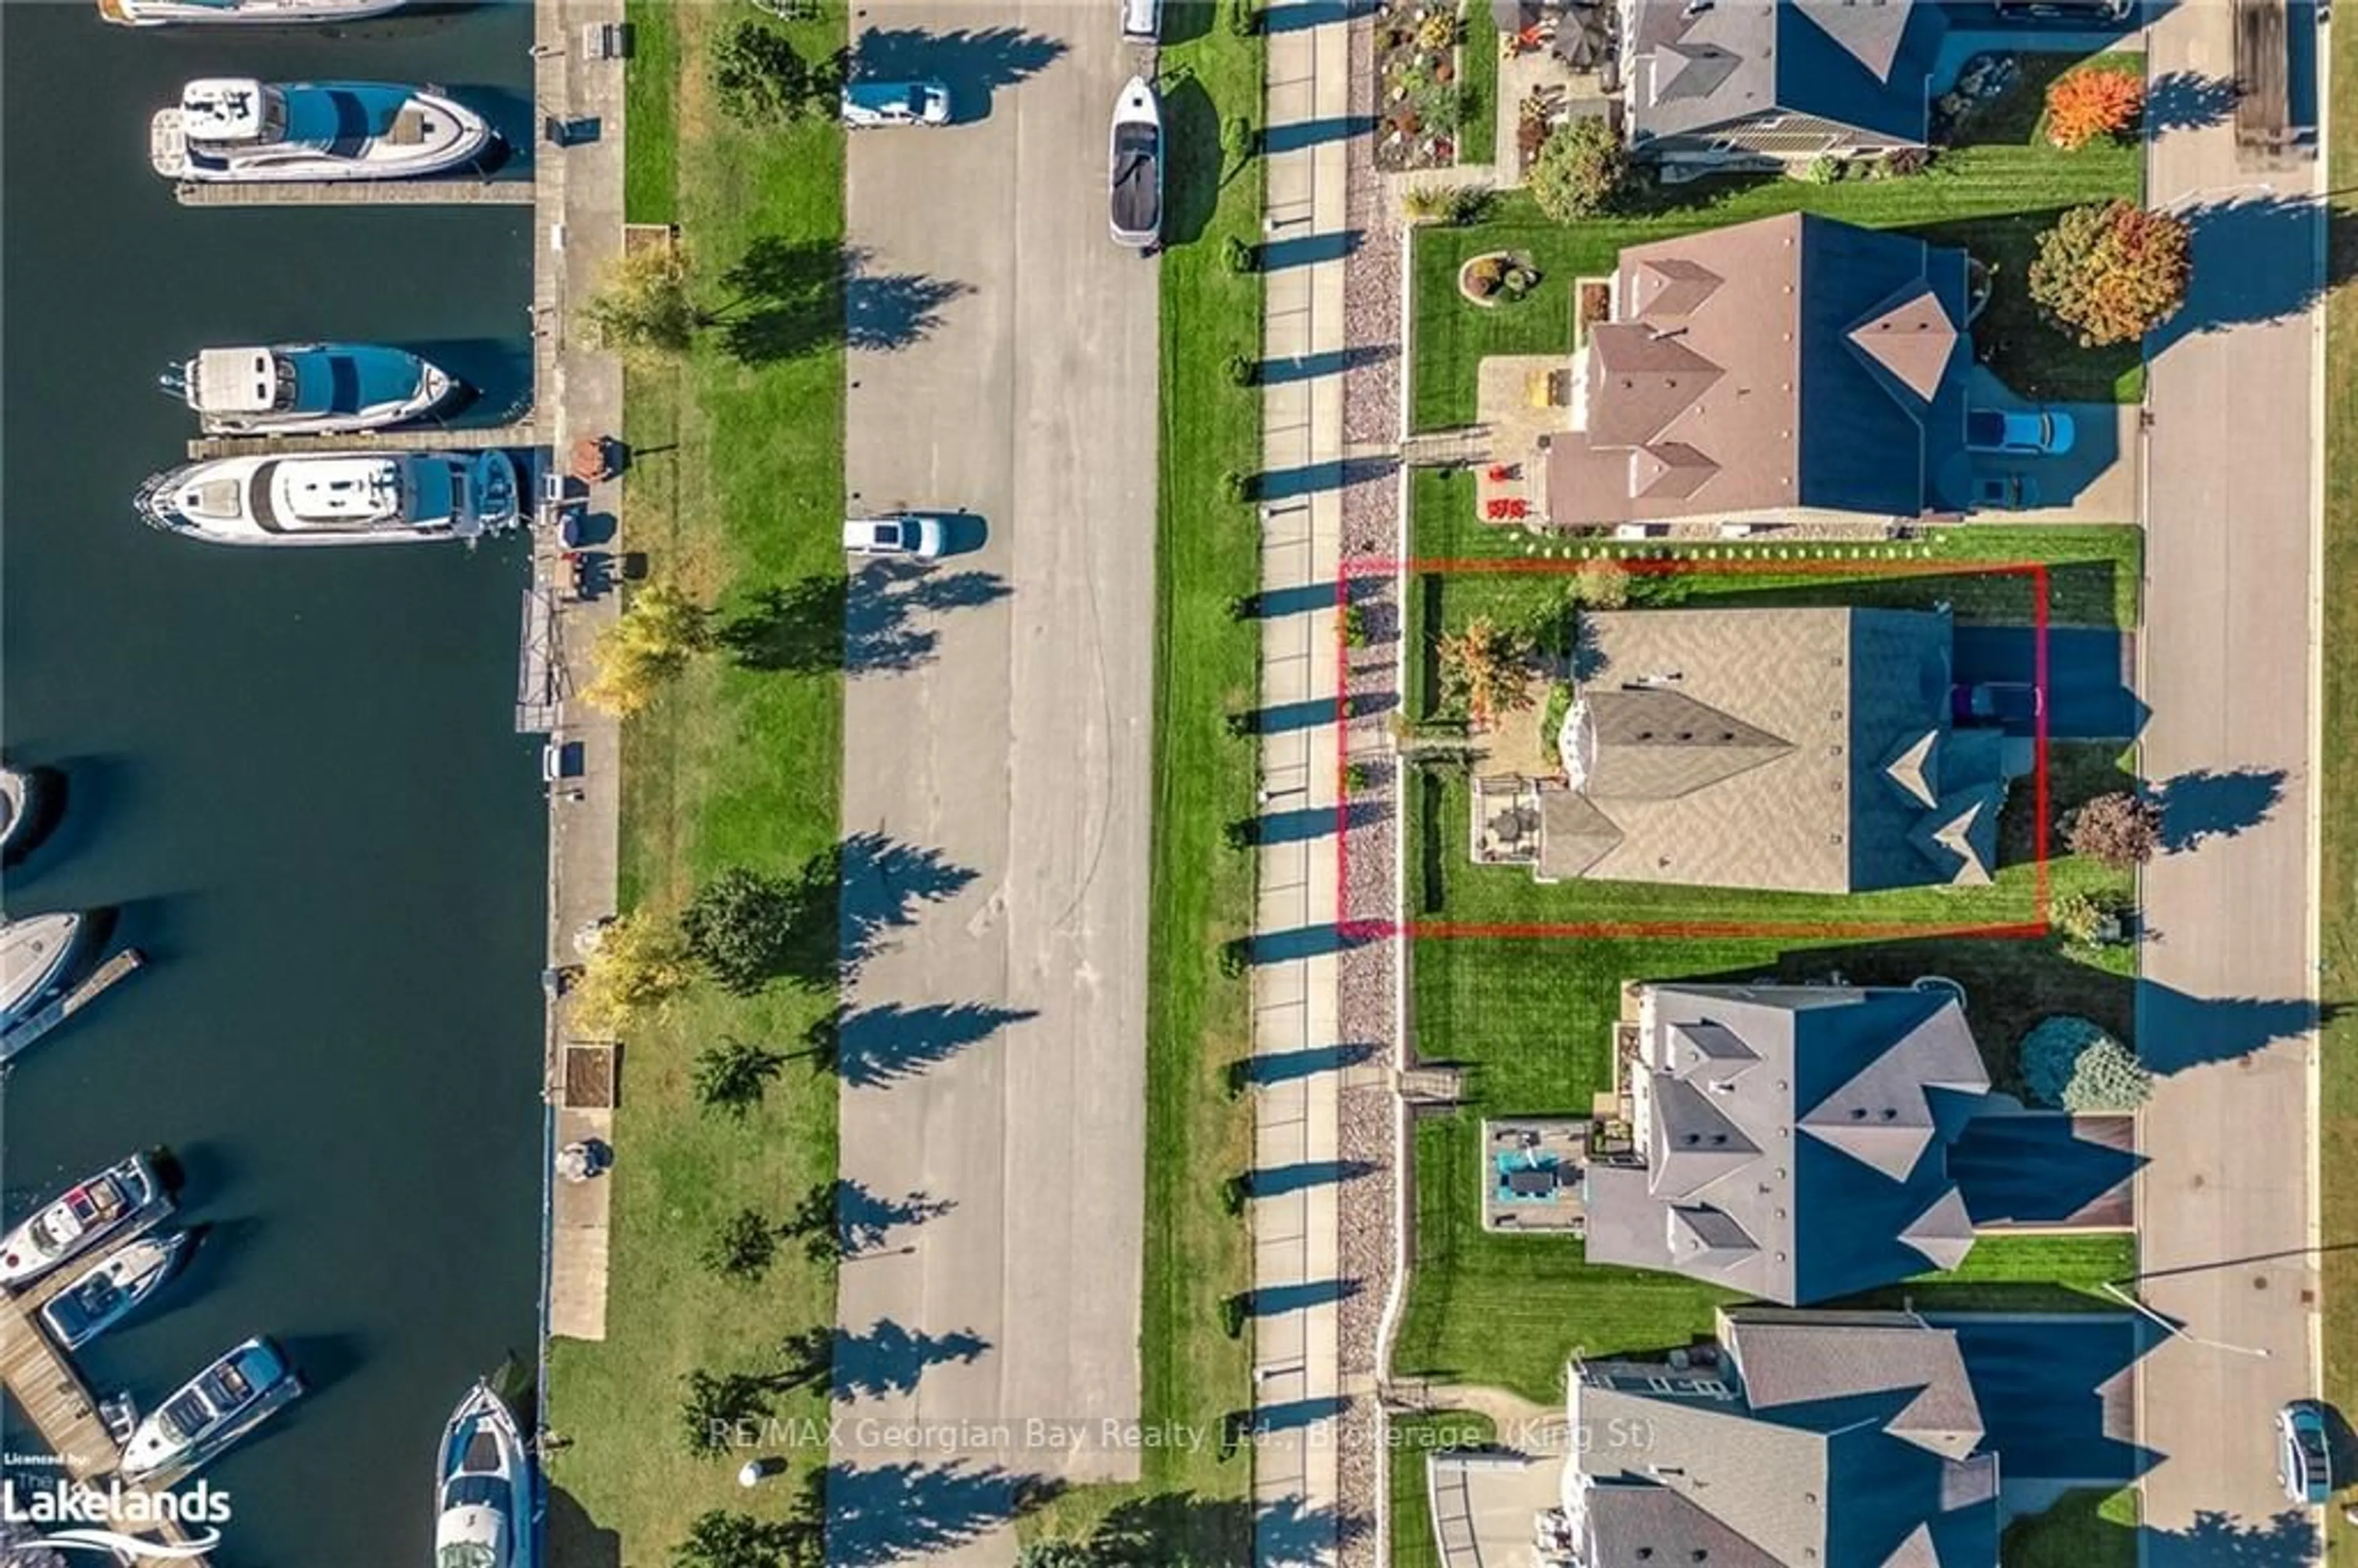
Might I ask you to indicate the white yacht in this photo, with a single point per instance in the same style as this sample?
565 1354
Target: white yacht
21 798
335 498
1135 166
312 389
35 954
211 1411
161 13
482 1492
239 129
120 1201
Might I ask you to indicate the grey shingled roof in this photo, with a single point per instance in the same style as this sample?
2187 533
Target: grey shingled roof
1697 68
1795 1139
1771 749
1790 362
1821 1440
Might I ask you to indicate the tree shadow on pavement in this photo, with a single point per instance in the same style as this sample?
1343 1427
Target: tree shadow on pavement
861 1220
791 298
970 64
2203 804
889 1359
2176 1031
869 1046
2288 1539
885 883
2187 100
2255 260
864 624
888 1513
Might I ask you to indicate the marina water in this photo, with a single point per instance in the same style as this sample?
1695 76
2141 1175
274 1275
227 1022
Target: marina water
292 774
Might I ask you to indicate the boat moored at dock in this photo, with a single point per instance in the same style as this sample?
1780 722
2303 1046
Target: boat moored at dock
319 389
252 13
113 1289
210 1412
22 793
118 1202
240 129
35 955
336 498
484 1489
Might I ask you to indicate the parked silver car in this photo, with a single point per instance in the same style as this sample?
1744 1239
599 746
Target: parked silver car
896 533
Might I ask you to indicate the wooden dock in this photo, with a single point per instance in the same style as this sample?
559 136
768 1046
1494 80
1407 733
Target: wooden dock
429 440
119 967
52 1396
356 193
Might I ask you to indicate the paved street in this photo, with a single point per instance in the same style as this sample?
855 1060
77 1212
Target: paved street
2226 1008
995 782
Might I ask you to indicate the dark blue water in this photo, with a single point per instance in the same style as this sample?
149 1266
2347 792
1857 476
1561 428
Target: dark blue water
292 773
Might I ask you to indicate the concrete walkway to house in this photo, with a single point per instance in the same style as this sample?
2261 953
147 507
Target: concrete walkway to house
1297 1280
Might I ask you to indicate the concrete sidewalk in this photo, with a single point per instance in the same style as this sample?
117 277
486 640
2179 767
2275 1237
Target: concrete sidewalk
1298 1388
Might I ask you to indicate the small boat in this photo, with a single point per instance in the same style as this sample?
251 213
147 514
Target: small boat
335 498
1136 167
20 805
35 955
484 1486
868 105
239 129
120 1201
111 1289
160 13
319 389
211 1411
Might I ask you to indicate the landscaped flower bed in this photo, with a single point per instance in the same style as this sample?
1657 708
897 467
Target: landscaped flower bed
1417 106
1497 277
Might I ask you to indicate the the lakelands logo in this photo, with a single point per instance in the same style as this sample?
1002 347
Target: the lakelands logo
73 1516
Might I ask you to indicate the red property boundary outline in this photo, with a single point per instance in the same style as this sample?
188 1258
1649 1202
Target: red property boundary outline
1354 568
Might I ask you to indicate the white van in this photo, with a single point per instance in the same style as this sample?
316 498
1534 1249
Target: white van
1141 20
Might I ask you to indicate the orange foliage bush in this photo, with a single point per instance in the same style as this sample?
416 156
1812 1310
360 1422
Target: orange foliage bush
2090 104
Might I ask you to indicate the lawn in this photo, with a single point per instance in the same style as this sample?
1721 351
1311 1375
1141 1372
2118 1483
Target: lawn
1993 194
1477 87
1413 1437
2337 872
1198 1019
737 489
2087 1528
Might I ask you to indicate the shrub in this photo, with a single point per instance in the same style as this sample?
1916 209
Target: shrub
1581 171
642 310
1358 778
2086 104
1234 1194
741 925
2119 829
1244 17
2072 1064
1484 276
1469 204
1236 956
1901 162
1486 668
2111 273
1438 31
1235 486
1355 626
1239 256
1233 1312
1243 606
743 1247
1238 724
1602 583
1239 140
640 964
759 77
1824 170
1236 833
732 1074
645 646
2086 917
1242 371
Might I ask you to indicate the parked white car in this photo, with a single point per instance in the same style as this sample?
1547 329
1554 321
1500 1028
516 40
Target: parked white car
897 534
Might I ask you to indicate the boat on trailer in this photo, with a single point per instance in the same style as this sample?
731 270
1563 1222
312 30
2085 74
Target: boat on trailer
312 389
1135 171
336 498
237 129
231 13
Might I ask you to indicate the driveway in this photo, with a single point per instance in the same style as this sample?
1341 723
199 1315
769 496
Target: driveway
2088 673
996 752
2229 995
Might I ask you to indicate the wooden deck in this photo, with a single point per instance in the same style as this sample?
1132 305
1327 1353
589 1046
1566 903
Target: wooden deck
119 967
356 193
430 438
44 1385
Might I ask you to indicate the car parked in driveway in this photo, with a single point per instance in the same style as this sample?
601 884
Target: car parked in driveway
2006 493
2040 432
1995 702
908 534
872 103
2304 1461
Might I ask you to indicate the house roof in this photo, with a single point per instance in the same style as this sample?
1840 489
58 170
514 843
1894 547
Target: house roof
1823 1441
1795 1139
1790 362
1807 750
1699 68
